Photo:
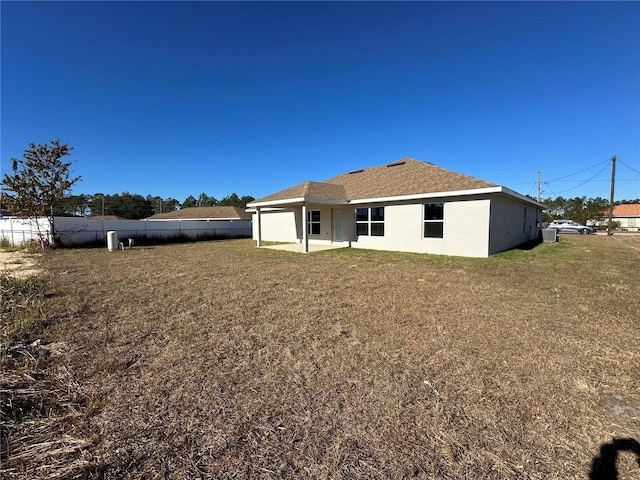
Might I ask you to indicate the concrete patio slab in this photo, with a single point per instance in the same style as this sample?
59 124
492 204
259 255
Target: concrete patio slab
297 247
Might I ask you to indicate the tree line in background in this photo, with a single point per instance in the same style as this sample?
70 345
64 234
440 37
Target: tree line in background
579 209
134 206
39 184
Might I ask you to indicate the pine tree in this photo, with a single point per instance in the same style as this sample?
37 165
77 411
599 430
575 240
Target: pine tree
39 183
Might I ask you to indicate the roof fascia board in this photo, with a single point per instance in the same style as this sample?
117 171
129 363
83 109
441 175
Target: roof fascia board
298 200
400 198
326 200
453 193
286 201
524 198
268 209
419 196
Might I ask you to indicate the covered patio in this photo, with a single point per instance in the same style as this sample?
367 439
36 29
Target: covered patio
303 202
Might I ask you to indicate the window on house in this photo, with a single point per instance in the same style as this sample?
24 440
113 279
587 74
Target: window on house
524 221
377 222
434 220
370 221
313 222
362 221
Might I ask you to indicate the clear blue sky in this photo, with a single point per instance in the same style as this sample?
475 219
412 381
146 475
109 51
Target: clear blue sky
180 98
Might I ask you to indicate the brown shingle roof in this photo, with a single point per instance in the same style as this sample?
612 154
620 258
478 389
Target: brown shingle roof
404 177
309 190
627 210
106 217
203 212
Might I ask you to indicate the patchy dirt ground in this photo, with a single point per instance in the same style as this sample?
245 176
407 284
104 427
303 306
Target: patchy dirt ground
20 264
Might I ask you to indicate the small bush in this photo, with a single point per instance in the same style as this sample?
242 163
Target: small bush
34 246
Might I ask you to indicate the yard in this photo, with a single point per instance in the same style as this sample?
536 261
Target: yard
220 360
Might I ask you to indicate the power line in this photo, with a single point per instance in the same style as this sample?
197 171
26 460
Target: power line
605 163
589 168
531 189
551 190
603 180
586 181
632 169
523 183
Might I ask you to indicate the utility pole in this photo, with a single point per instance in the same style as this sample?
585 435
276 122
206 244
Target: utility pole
538 185
613 184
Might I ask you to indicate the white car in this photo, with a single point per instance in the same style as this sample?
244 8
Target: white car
569 226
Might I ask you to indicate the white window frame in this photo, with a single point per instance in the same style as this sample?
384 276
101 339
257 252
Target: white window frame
312 223
369 222
433 221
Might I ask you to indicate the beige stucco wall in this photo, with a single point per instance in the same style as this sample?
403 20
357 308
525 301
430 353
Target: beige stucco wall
286 225
509 227
467 226
466 230
630 223
280 226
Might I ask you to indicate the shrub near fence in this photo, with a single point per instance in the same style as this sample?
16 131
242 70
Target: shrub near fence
80 230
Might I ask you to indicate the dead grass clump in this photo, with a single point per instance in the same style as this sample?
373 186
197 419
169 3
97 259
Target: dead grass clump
40 406
42 416
21 310
220 360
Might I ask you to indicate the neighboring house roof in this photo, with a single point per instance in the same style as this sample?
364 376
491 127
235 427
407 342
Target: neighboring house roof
406 177
200 213
106 217
627 210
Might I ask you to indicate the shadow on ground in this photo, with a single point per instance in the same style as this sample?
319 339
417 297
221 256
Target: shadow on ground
604 467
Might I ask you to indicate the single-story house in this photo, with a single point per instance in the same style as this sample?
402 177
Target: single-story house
407 206
627 215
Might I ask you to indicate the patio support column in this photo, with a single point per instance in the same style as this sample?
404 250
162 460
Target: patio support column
258 228
305 234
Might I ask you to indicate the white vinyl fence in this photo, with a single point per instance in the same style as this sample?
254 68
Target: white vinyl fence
79 230
20 231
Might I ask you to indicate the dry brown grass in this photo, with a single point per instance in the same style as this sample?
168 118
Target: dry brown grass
219 360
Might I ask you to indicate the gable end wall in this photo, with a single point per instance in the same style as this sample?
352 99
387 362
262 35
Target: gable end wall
509 225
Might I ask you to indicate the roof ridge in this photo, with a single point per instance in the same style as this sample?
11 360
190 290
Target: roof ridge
406 176
306 187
